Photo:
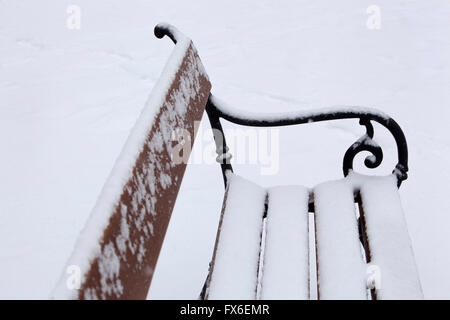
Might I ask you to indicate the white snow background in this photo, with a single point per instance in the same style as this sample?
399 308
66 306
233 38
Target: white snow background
68 99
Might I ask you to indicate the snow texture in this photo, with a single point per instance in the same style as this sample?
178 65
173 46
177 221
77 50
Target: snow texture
340 267
276 116
389 241
342 272
286 264
235 269
88 246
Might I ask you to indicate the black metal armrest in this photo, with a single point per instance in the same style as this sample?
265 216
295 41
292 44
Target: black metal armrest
216 110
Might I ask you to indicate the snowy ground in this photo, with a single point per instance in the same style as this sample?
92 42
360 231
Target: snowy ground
68 99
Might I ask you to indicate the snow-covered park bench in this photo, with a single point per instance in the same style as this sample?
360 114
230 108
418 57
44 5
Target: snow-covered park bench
263 246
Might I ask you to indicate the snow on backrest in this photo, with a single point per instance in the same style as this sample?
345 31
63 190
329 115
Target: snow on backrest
117 251
234 270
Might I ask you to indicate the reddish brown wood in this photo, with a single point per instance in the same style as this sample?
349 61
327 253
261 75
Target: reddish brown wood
211 268
146 226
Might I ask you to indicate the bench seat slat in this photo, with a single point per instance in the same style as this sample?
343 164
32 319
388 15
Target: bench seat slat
340 266
234 270
286 267
388 239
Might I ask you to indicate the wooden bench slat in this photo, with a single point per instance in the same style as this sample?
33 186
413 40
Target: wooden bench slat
389 242
116 253
234 269
285 272
340 266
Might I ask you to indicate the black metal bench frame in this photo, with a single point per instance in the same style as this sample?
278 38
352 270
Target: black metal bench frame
365 143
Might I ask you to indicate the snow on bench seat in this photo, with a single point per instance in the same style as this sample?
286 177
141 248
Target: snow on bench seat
342 272
286 266
340 266
234 270
388 239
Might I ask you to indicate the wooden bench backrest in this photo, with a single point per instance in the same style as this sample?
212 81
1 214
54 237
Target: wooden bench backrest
116 253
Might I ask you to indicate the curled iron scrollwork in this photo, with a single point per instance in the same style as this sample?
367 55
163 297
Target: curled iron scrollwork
216 111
